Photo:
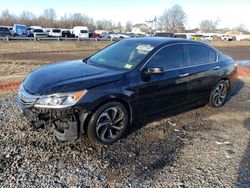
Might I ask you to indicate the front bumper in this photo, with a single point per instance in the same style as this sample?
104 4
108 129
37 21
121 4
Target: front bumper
66 123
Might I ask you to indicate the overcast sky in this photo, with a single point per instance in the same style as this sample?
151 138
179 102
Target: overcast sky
231 13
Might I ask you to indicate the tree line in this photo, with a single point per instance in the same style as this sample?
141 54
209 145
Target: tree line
49 19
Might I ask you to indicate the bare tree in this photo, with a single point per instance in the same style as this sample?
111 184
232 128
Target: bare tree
27 18
6 18
49 14
208 25
241 28
128 26
174 19
104 24
119 26
160 23
48 18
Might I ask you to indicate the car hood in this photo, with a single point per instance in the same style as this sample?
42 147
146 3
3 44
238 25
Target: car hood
68 76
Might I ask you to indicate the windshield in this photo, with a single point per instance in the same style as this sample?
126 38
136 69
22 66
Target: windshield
84 31
38 30
124 55
56 30
4 29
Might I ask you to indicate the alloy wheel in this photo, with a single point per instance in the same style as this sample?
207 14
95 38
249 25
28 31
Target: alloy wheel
220 94
110 123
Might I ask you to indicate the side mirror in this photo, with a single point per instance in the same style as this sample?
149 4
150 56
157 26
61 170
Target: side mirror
154 70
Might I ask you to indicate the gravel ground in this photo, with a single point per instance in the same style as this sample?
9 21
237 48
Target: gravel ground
198 147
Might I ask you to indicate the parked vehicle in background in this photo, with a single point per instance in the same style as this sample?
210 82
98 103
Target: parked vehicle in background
36 27
137 35
113 35
132 35
55 33
38 33
19 30
47 30
81 31
5 32
197 36
124 35
183 35
66 33
104 33
93 34
103 94
29 34
207 37
10 29
226 37
163 34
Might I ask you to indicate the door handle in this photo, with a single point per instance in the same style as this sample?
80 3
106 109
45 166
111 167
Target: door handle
184 74
216 68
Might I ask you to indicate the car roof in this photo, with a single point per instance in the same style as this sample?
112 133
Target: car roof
156 41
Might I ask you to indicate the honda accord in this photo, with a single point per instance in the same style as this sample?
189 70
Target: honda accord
103 94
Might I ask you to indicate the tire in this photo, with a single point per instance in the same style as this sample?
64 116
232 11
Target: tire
219 94
108 123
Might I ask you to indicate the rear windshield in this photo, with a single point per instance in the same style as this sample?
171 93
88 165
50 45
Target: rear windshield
56 31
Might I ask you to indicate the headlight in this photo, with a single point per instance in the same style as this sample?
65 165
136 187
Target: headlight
60 100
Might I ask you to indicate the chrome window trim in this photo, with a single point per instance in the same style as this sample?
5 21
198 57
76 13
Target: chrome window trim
186 43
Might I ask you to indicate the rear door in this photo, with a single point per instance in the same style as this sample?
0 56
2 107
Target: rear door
203 70
165 90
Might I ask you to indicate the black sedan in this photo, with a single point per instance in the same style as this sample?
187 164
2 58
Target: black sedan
130 79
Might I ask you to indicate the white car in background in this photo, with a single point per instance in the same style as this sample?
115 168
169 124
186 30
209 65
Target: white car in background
207 37
81 32
124 35
38 33
55 33
226 37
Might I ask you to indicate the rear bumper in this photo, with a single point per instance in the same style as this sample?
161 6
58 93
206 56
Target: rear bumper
233 79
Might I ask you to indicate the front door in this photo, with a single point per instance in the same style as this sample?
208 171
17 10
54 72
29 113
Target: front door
167 89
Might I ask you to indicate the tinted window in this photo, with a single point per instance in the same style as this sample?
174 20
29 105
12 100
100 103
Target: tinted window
198 54
56 30
212 55
4 29
38 30
84 31
180 36
170 57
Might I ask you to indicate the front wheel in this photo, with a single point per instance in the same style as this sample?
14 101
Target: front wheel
219 94
108 123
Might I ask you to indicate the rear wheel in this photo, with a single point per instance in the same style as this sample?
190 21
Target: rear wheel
219 94
108 123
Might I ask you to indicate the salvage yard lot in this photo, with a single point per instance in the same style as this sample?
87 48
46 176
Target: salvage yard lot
194 147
